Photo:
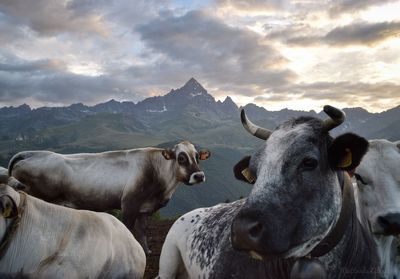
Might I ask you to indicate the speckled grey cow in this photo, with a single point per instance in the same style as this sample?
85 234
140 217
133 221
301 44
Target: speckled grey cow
301 206
378 192
138 181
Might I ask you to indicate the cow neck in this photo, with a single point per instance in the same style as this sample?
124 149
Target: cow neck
12 227
337 232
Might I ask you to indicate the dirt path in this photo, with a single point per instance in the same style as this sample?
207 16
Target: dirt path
157 232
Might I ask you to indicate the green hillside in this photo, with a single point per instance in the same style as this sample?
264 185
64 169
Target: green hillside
227 141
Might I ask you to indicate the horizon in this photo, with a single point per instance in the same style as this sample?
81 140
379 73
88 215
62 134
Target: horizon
280 54
135 103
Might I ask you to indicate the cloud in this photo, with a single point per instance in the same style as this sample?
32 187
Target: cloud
203 45
253 5
49 18
60 52
358 33
363 33
39 65
372 96
351 6
48 81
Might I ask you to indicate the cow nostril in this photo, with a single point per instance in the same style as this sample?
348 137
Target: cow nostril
383 222
255 230
389 223
247 234
199 177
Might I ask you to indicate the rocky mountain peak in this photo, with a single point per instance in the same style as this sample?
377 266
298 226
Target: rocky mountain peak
192 88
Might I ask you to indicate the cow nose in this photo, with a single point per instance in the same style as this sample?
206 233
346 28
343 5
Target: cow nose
389 223
199 176
246 234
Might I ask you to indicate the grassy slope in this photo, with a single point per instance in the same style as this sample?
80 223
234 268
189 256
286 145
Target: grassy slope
226 141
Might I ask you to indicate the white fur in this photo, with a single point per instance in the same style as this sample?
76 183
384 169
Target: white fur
380 169
58 242
193 180
174 259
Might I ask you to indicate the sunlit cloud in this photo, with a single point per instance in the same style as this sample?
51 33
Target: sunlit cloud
276 53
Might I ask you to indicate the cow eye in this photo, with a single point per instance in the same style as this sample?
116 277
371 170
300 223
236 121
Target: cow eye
309 164
181 159
359 178
197 158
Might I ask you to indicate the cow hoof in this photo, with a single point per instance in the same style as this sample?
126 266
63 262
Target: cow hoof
308 269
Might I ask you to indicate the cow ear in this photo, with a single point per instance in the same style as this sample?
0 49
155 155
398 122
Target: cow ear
168 154
346 151
397 143
204 154
242 171
8 207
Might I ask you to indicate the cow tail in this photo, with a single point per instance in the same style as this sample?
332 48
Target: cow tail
16 158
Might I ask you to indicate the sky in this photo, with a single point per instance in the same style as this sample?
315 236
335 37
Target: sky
298 54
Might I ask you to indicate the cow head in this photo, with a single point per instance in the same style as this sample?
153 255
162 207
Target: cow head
378 187
9 180
297 197
8 207
186 159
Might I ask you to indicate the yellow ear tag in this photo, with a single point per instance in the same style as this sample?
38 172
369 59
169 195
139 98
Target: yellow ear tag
248 175
347 160
7 212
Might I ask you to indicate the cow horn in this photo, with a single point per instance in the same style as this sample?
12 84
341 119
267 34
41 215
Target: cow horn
253 129
336 115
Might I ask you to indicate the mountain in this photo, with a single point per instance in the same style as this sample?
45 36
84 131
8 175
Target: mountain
187 113
191 99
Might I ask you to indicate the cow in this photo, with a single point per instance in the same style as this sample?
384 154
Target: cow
9 180
299 220
138 181
378 200
44 240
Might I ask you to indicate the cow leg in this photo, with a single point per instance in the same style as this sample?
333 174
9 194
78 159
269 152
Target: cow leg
171 265
129 220
140 231
135 222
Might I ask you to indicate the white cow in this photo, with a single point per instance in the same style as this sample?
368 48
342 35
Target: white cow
378 191
9 180
43 240
138 181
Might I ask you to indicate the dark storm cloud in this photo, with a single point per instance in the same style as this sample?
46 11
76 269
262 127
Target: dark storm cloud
219 53
359 33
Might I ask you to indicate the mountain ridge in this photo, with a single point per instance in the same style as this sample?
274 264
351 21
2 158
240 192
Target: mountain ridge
186 113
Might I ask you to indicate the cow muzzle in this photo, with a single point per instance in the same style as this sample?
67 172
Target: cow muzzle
197 177
246 234
251 232
386 224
